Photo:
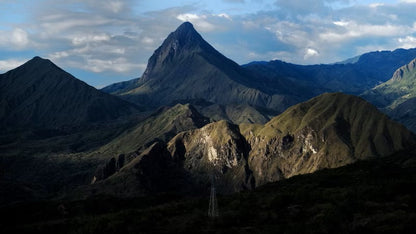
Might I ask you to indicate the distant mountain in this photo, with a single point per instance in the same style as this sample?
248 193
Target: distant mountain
352 76
40 94
328 131
397 96
120 87
401 87
185 67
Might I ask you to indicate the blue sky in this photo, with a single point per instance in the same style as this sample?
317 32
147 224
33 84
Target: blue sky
106 41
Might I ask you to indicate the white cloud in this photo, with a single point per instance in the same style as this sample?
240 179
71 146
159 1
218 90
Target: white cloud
377 4
188 17
16 39
310 53
19 38
407 42
107 37
85 39
114 6
116 65
6 65
147 40
225 15
408 1
341 23
353 30
200 21
290 33
59 23
59 55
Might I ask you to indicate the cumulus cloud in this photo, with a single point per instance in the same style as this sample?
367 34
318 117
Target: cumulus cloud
200 21
353 30
234 1
110 37
407 42
92 37
16 39
310 53
6 65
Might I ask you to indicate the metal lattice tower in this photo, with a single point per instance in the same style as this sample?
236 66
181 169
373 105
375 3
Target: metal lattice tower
213 204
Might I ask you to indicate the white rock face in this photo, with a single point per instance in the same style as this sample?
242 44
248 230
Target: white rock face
308 143
212 152
212 155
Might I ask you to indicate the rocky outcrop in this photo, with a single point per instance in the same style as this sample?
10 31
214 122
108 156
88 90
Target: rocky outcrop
161 126
218 150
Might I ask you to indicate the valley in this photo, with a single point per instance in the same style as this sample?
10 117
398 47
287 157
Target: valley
320 143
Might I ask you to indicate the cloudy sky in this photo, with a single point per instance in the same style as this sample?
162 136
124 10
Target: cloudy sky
106 41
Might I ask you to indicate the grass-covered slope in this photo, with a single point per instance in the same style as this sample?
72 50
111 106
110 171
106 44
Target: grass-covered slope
397 95
162 125
401 87
328 131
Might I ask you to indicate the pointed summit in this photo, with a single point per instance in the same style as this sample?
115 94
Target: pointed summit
187 68
38 61
179 45
185 36
40 94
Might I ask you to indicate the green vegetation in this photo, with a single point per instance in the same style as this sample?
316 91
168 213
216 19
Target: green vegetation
397 96
163 125
401 87
373 196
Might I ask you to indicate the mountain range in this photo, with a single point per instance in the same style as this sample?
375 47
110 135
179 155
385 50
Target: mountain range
362 73
186 69
195 116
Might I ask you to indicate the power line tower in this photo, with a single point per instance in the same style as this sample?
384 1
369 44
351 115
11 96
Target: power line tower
213 204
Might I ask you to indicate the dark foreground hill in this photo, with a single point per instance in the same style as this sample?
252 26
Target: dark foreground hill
38 94
371 196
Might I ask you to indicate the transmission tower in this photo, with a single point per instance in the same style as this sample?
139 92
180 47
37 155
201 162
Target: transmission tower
213 204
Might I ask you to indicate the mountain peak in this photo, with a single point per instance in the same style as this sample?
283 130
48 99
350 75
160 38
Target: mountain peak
185 37
185 33
39 62
39 59
40 94
185 40
405 71
186 27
